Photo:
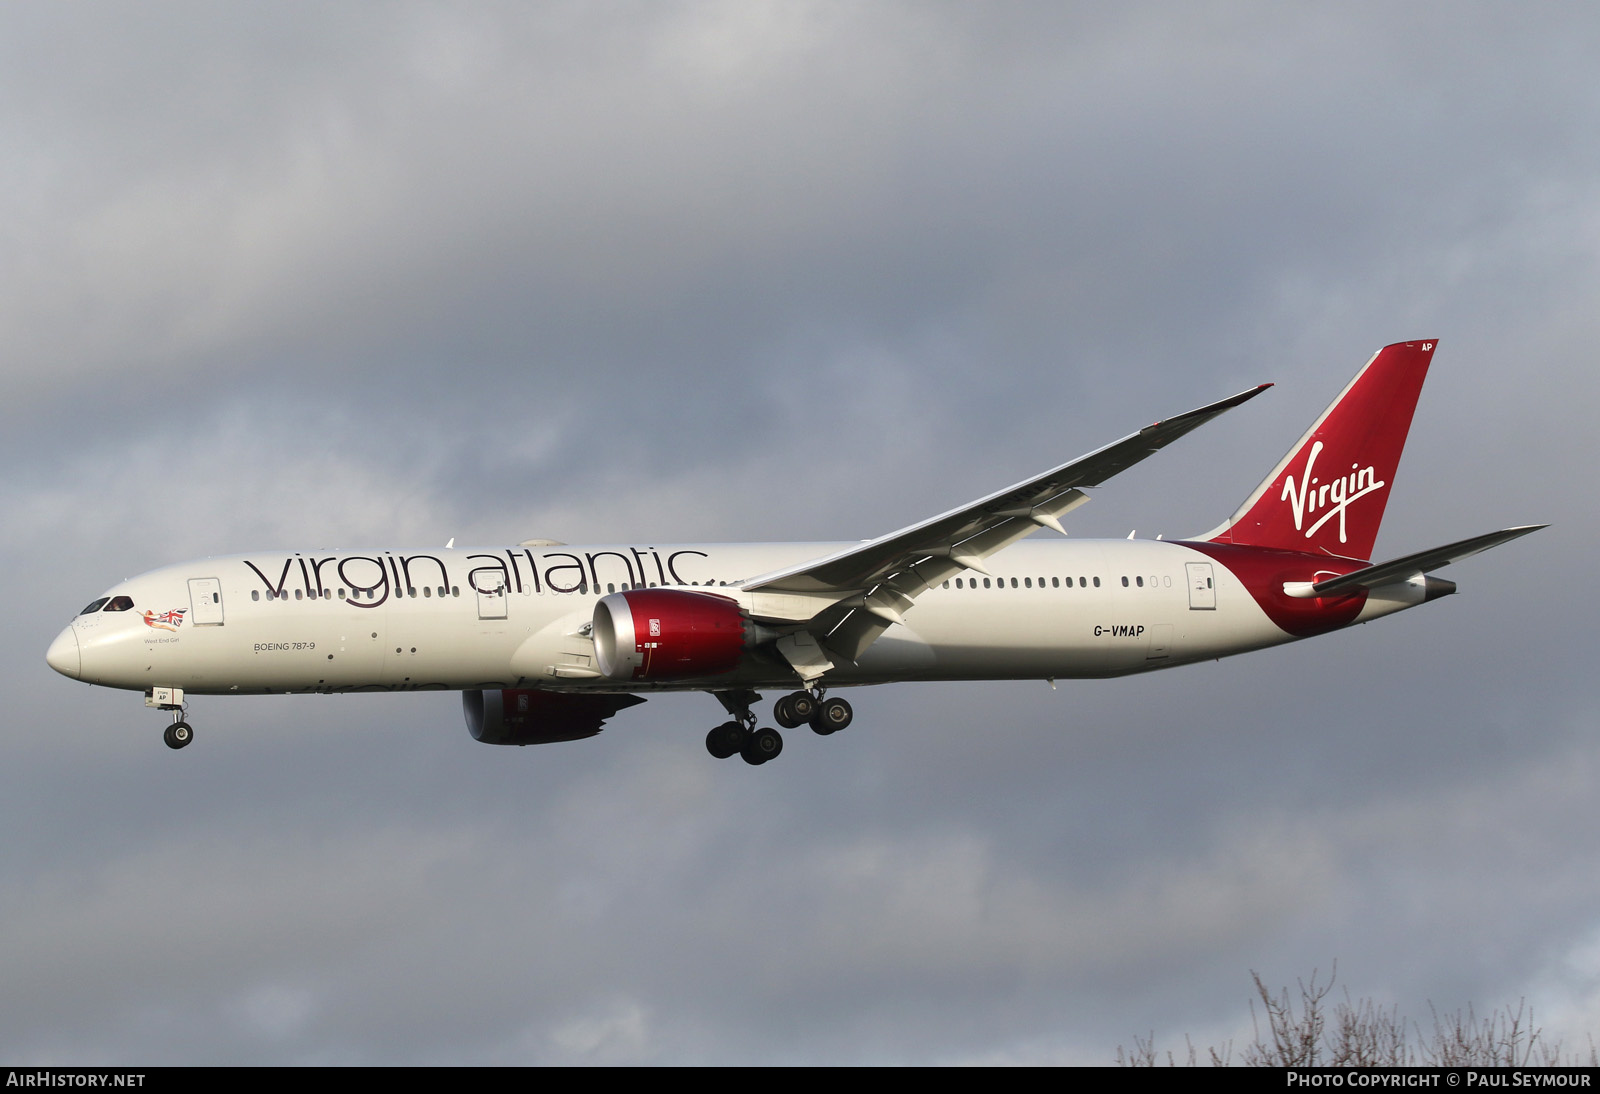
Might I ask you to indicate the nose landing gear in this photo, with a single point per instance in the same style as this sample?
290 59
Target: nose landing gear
179 733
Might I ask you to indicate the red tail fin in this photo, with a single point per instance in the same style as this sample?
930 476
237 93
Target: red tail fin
1329 492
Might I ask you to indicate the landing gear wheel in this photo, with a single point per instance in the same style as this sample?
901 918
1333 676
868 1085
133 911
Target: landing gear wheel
725 740
177 735
794 711
831 716
761 746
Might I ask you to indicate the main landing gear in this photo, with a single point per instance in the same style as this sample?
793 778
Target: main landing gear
825 716
757 746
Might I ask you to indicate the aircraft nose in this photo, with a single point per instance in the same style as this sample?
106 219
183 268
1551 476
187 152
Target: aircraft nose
63 654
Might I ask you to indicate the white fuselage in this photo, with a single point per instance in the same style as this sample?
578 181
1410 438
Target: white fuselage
518 618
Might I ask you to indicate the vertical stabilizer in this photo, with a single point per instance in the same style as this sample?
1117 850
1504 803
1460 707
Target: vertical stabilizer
1328 494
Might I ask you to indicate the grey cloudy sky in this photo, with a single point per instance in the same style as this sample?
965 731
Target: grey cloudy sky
337 274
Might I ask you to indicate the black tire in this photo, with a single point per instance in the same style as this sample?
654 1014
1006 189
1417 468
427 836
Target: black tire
178 734
783 713
761 746
832 715
724 740
804 706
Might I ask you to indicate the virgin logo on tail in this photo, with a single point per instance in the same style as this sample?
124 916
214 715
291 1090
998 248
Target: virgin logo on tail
1308 495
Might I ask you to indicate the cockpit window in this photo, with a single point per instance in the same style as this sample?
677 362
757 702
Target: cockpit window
96 606
119 604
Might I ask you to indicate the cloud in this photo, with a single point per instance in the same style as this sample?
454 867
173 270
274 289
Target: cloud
723 271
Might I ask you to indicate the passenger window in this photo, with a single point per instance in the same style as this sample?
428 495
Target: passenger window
1013 583
985 583
427 591
297 594
958 583
1083 582
1055 582
1124 582
1028 582
455 590
255 594
1096 582
1140 580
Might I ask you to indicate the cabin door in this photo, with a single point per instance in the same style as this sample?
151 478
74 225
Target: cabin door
1202 588
205 601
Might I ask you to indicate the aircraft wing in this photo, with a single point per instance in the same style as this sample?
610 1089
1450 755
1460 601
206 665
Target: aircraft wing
878 579
1383 573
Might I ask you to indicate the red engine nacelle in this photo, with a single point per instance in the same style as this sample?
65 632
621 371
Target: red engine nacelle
667 634
525 716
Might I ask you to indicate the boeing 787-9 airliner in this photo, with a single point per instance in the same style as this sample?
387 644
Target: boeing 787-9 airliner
546 641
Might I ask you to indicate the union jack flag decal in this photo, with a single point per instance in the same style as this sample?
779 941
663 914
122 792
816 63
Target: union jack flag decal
166 621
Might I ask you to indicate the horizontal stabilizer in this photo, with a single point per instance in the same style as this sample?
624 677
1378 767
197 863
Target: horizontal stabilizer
1400 569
